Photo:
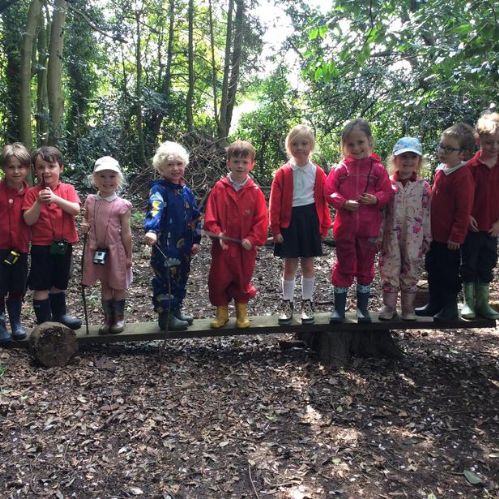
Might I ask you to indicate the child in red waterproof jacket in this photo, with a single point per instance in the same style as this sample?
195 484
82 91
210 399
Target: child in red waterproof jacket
236 216
15 162
357 188
299 219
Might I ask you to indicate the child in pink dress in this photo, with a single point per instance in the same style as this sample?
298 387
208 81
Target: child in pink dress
108 252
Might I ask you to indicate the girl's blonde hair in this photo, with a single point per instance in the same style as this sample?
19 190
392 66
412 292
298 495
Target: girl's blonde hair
299 131
358 124
169 151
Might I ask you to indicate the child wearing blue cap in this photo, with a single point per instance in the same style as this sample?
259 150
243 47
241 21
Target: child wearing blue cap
406 233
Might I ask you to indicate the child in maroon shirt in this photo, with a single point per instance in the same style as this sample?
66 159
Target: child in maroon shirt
50 208
451 202
15 162
479 251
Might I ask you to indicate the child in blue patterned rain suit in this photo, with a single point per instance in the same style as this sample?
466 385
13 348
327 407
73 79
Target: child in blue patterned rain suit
172 227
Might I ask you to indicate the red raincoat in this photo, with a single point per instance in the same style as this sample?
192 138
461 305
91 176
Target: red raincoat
241 215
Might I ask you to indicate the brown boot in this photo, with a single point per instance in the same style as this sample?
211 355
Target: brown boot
119 317
242 320
107 307
221 318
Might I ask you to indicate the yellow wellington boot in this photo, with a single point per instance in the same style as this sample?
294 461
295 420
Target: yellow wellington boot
222 317
242 320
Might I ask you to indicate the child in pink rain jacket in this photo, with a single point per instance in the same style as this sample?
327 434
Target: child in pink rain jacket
357 188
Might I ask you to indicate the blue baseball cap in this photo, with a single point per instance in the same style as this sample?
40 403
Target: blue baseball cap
408 144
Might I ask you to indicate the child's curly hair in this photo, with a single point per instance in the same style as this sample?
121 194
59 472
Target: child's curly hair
168 151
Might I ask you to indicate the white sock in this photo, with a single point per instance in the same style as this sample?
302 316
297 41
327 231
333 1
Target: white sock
288 289
307 287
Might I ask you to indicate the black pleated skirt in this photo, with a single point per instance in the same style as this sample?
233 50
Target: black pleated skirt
303 237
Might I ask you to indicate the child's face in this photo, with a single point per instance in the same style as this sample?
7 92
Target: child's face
107 182
48 172
300 148
173 170
240 166
357 145
449 152
489 145
407 163
15 172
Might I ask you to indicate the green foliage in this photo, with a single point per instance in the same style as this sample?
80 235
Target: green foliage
408 67
266 127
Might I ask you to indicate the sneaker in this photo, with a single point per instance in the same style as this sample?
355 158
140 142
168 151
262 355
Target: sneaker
307 312
286 313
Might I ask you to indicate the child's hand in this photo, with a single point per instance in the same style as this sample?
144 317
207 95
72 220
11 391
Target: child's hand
195 249
45 195
223 244
128 262
494 230
150 238
278 239
246 244
452 245
473 224
351 205
367 198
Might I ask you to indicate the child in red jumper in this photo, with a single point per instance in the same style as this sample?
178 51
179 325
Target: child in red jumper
451 203
235 210
50 209
14 238
299 219
479 251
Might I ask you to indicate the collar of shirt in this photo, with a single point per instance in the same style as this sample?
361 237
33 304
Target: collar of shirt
109 198
303 169
237 185
449 171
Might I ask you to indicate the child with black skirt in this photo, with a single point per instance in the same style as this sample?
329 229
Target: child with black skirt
299 220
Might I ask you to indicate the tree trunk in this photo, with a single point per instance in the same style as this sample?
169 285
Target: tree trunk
213 64
235 63
53 344
54 72
25 134
337 348
190 64
223 128
138 91
42 103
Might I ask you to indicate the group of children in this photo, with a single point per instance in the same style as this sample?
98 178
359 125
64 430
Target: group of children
454 225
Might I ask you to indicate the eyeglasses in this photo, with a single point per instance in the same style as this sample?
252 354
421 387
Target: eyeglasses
448 148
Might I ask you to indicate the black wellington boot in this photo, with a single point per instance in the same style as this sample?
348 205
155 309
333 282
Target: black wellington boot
449 310
4 334
42 310
14 309
58 305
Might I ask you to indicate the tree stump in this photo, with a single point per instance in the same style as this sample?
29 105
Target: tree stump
53 344
337 348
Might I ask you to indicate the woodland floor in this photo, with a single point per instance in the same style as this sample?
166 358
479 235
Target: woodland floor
250 416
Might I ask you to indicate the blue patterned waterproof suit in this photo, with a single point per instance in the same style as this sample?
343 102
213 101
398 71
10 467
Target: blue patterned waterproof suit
173 215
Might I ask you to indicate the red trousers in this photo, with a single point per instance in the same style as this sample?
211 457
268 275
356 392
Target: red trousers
355 258
230 274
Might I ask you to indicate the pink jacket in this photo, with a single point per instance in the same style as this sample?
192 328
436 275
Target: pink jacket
351 178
